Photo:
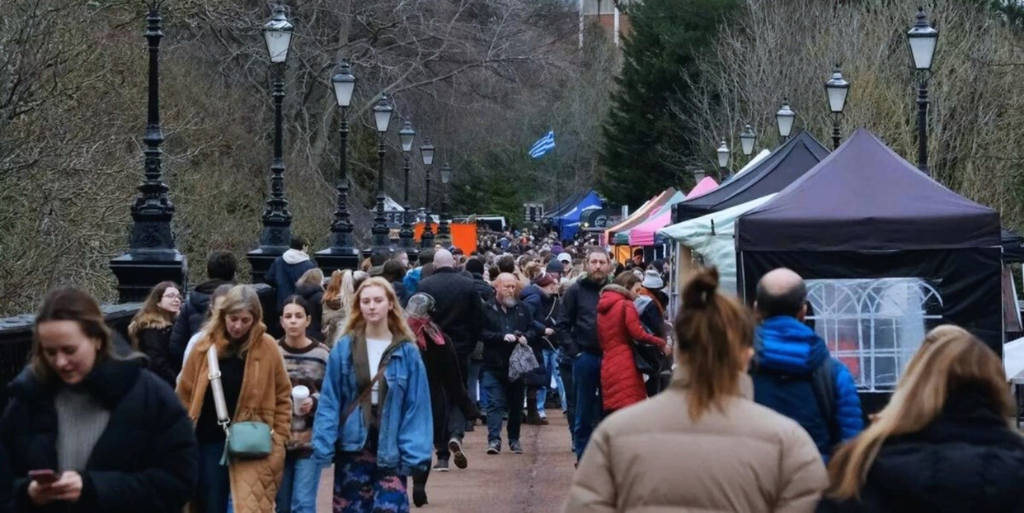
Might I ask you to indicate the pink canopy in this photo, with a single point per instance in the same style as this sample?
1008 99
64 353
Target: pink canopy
644 233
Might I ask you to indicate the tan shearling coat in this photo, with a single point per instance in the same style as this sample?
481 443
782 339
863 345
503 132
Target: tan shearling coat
652 458
266 397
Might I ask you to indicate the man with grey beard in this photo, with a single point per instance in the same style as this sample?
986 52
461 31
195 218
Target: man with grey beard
506 323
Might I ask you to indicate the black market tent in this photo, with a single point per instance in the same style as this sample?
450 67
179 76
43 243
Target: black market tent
1013 247
879 235
787 163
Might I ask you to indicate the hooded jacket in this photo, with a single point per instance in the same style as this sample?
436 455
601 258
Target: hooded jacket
147 458
577 324
618 324
189 320
788 354
285 271
968 459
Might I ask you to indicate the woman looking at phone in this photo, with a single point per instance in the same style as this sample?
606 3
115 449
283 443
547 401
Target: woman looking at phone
88 431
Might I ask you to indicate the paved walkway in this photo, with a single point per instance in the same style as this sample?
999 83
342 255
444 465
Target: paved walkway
534 482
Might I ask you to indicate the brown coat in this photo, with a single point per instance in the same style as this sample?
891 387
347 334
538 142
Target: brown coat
266 396
651 457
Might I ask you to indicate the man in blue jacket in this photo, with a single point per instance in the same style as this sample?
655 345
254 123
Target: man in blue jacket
794 373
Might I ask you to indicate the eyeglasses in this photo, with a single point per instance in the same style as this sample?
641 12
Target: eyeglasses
172 296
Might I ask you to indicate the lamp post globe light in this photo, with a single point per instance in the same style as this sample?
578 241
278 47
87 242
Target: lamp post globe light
698 175
277 219
747 139
427 152
151 257
443 229
379 240
723 160
407 136
785 118
342 253
837 89
922 40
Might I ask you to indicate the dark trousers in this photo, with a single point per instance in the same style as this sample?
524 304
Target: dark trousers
586 374
214 487
565 370
457 406
502 395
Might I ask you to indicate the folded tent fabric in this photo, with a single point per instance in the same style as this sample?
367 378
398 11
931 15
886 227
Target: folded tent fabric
639 216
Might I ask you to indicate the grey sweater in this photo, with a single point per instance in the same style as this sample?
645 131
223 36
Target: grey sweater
81 419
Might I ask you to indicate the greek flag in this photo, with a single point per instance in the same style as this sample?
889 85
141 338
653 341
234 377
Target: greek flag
543 145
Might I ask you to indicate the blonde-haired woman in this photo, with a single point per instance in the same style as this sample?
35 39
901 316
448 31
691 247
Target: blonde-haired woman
943 443
150 329
374 406
256 388
337 302
703 444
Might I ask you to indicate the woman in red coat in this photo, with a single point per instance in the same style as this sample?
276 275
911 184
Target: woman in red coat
618 323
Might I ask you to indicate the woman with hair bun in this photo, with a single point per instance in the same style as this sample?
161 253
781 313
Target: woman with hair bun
703 444
945 441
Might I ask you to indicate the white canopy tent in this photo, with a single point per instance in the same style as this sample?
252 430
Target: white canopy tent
1013 360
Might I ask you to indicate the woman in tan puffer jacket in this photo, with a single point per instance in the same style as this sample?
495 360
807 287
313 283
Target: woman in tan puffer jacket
703 445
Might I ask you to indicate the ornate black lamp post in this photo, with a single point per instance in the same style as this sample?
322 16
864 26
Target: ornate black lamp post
785 118
277 219
407 135
379 241
427 151
342 254
443 230
723 161
747 139
151 256
922 39
837 89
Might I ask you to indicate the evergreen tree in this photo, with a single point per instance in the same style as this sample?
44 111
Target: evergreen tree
641 130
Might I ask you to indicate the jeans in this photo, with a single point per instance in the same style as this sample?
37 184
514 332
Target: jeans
586 372
568 393
299 485
502 395
214 490
549 363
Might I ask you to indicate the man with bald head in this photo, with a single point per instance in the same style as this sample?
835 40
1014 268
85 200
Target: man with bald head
507 323
794 373
458 310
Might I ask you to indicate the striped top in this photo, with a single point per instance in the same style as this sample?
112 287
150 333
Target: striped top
306 367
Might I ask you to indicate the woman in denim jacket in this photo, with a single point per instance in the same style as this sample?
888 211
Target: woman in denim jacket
387 431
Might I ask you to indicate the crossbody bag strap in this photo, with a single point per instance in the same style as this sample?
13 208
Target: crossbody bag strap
385 360
223 419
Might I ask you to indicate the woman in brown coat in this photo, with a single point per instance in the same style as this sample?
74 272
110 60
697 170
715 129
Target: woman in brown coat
702 445
256 388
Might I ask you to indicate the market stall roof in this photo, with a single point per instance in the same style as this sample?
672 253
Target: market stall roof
643 234
568 221
787 163
1013 247
565 205
641 214
623 236
865 197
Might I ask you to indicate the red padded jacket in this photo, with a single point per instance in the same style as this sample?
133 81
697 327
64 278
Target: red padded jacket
618 323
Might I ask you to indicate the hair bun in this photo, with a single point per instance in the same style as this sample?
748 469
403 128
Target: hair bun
701 289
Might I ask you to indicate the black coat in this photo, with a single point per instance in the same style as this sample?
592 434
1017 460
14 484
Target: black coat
577 322
153 342
190 319
458 309
966 460
486 290
147 459
499 322
314 296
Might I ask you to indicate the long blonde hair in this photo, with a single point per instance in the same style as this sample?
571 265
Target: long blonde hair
151 315
314 276
949 359
241 298
396 316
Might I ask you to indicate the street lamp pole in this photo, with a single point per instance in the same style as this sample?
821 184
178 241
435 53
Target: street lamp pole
922 39
444 230
342 253
837 89
277 219
406 235
379 241
151 256
427 152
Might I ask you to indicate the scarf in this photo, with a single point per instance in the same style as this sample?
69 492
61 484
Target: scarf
425 328
361 362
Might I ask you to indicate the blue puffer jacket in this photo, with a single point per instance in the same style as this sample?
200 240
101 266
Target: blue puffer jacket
787 355
405 442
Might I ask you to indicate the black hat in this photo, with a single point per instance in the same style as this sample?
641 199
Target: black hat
554 266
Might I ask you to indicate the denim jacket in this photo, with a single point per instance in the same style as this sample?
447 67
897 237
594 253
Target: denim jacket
406 424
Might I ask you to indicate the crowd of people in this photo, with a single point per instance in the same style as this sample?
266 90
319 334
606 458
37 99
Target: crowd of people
382 370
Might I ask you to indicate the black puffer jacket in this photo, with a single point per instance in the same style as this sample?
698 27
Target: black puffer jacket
457 307
190 319
314 296
146 460
153 342
966 460
577 324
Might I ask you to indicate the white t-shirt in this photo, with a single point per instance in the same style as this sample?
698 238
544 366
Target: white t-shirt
375 350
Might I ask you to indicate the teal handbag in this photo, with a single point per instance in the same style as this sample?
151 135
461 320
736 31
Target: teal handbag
251 440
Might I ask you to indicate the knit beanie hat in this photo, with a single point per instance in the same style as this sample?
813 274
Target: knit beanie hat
554 266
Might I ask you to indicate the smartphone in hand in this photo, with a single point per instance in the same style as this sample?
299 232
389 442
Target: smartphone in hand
43 476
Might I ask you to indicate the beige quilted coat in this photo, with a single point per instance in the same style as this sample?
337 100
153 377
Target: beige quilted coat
266 396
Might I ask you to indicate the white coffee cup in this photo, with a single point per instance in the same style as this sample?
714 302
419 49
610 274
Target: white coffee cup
299 394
